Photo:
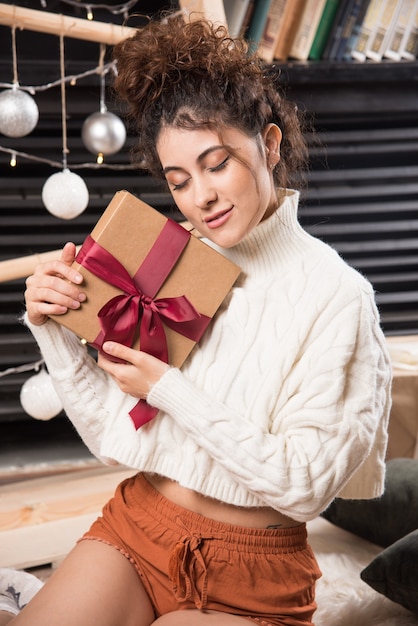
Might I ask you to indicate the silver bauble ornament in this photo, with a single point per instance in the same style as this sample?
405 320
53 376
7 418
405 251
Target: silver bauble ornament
103 133
65 194
19 113
39 398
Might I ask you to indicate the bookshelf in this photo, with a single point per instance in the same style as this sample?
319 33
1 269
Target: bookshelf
378 88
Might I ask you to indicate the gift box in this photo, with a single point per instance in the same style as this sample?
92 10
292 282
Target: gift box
403 423
150 284
135 260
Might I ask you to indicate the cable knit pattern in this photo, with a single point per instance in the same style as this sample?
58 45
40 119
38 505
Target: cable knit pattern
284 402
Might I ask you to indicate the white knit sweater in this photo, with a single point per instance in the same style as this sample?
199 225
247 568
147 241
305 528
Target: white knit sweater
285 401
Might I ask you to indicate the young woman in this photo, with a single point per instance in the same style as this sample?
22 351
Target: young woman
282 406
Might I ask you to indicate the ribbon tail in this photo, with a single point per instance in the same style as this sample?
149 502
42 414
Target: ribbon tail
142 413
152 337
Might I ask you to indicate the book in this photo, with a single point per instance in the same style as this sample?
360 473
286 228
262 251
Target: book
212 10
292 15
271 32
377 44
336 29
352 40
409 45
367 29
306 30
355 9
257 23
405 18
235 11
324 28
247 19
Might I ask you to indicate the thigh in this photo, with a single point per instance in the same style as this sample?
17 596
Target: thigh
194 617
95 585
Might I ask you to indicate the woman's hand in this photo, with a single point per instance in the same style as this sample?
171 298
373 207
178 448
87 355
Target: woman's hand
139 372
52 289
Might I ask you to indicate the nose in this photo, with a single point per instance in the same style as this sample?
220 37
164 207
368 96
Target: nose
204 193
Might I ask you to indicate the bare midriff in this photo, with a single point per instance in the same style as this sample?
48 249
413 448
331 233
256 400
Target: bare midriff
260 517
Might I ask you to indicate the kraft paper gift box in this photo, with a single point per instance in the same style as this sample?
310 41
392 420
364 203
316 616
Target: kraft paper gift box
403 423
150 284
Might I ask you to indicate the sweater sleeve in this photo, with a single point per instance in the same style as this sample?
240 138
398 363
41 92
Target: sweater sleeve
90 397
336 411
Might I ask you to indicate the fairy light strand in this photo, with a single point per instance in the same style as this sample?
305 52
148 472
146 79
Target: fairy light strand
74 166
117 9
22 368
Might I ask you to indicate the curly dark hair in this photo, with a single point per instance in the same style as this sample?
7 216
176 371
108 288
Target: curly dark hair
187 73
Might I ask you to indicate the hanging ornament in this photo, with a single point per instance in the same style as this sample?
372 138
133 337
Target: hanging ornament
19 113
65 194
103 133
39 398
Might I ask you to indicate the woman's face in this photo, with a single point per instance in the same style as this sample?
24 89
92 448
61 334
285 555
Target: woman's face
223 188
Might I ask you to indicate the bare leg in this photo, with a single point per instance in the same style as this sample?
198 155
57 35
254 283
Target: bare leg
94 586
5 618
200 618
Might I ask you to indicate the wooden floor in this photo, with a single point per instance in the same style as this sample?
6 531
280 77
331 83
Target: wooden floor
42 518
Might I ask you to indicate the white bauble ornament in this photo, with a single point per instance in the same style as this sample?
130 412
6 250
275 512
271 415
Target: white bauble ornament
65 194
19 113
39 398
103 133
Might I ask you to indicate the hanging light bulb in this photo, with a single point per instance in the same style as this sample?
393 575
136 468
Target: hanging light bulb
89 13
65 194
13 161
39 398
103 133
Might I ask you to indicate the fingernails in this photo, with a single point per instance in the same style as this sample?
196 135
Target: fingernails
82 297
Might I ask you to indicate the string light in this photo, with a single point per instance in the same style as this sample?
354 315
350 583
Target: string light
13 161
74 166
116 9
72 79
22 368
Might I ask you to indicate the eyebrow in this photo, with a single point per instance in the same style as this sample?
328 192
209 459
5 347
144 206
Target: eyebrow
200 158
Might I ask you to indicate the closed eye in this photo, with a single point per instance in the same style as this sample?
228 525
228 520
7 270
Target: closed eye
179 186
221 166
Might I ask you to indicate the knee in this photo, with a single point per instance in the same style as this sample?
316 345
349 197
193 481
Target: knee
176 618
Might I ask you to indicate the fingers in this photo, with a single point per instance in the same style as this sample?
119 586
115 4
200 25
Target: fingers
68 253
138 371
120 351
53 287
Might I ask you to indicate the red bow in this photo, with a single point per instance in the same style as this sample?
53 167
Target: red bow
120 316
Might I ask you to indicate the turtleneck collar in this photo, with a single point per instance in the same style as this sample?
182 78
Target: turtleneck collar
274 240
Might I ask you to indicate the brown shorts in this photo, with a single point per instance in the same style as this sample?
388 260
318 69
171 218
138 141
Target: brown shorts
187 561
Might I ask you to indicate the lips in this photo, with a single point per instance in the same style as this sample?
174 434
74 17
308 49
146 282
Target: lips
214 221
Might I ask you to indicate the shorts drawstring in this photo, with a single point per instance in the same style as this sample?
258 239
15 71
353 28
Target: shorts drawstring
187 566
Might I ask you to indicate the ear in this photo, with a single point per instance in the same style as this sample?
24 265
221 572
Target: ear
272 137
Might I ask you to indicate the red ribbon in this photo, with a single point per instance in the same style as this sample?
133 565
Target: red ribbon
120 316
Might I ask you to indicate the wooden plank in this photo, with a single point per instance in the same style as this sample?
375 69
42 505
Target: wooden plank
59 24
41 519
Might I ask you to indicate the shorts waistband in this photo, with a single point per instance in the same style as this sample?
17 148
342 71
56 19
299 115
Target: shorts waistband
146 497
